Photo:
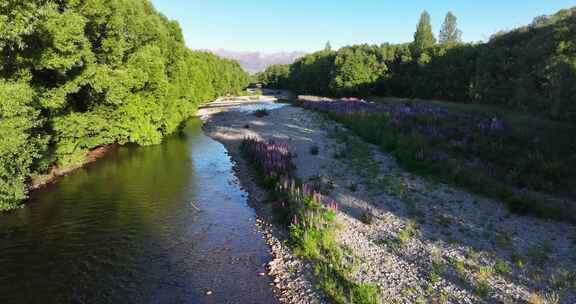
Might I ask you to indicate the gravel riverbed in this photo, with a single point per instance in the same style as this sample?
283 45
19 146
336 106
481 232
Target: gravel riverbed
426 243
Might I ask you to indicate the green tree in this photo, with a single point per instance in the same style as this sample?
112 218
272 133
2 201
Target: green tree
356 70
423 38
275 76
77 75
449 33
530 69
312 74
20 144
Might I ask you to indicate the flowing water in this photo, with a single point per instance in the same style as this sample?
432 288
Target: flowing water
161 224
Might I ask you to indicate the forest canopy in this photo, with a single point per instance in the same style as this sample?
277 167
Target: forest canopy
79 74
530 69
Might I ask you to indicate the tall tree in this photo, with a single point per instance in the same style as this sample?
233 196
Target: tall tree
328 46
450 34
423 38
77 76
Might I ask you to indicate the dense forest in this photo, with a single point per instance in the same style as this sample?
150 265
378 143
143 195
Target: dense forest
77 75
530 69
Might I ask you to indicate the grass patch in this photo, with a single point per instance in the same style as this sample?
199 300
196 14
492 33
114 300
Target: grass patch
459 266
437 268
311 221
501 268
490 152
482 287
406 234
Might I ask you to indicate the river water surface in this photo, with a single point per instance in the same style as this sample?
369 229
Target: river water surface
161 224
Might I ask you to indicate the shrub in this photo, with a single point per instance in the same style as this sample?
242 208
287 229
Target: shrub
501 267
407 233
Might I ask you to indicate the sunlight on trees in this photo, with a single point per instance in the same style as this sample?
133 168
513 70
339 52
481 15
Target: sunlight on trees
530 69
76 75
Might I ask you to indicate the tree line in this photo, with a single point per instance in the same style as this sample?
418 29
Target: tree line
530 69
80 74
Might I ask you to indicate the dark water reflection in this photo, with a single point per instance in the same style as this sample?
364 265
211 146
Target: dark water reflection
126 230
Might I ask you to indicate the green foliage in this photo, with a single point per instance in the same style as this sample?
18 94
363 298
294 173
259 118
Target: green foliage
76 75
437 268
483 276
20 143
312 74
407 233
423 38
356 70
459 266
531 69
275 76
501 267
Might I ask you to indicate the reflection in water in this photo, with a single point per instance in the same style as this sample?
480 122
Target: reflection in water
126 230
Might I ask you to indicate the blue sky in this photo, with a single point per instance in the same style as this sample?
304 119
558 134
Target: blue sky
306 25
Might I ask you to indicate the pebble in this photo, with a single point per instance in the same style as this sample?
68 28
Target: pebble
396 270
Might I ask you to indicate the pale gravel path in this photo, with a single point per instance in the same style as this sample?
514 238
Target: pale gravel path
452 224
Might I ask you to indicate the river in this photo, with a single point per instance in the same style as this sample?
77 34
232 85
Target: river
160 224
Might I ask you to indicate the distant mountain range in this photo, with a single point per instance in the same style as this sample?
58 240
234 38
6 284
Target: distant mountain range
254 62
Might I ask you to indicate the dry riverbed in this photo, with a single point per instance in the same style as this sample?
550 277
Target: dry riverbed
426 242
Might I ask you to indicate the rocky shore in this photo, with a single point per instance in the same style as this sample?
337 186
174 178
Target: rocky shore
417 240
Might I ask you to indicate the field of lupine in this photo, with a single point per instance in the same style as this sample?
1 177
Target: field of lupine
532 168
311 219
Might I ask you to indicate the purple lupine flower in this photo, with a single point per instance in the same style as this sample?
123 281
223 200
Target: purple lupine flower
295 220
332 206
493 124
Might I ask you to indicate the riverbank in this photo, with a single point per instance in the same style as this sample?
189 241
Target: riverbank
219 105
294 280
415 239
167 223
57 172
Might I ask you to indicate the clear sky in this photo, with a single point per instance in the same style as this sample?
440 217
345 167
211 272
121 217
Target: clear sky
306 25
